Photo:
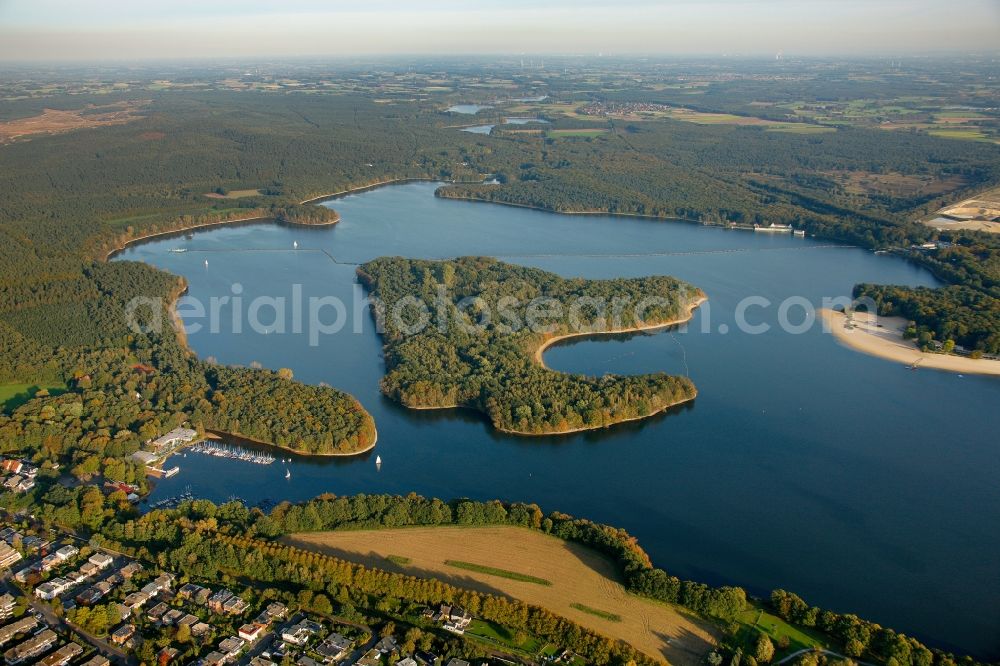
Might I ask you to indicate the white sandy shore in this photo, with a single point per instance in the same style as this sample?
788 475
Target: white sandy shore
885 340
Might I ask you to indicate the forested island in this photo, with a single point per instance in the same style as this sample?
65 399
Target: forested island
492 368
306 215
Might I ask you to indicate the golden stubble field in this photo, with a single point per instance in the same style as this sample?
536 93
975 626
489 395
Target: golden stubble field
53 121
578 575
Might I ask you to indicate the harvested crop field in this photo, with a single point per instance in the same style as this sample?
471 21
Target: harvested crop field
52 121
579 576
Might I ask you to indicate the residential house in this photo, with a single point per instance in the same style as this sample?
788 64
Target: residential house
90 596
97 660
11 466
195 593
35 646
251 632
387 645
67 552
425 657
135 600
214 659
371 658
167 655
24 625
334 647
199 629
122 634
232 646
188 619
297 635
276 610
218 600
408 661
260 661
174 616
129 570
101 560
6 606
156 613
52 589
87 570
62 656
8 555
77 577
455 618
235 606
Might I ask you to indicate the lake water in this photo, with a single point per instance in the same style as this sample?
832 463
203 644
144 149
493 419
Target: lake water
478 129
467 108
861 485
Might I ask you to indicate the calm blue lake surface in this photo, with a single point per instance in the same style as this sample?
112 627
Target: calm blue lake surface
478 129
467 108
860 485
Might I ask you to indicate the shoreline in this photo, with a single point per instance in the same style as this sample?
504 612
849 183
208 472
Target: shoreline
219 434
181 230
540 350
887 342
264 218
666 218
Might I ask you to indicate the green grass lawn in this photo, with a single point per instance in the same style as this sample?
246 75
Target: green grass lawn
967 134
493 571
398 559
575 133
13 396
756 619
613 617
494 633
801 128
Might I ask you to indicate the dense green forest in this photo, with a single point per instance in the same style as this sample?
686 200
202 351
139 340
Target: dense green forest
476 349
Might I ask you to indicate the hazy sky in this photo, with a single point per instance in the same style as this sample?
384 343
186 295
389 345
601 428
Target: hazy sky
130 29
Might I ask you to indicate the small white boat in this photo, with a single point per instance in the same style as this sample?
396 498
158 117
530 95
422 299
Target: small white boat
295 244
179 249
206 263
288 473
378 461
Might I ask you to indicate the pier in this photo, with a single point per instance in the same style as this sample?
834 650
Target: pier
232 452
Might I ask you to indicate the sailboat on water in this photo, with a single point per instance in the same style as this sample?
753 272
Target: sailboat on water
288 473
378 461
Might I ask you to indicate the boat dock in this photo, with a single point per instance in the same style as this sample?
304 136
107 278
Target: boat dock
232 452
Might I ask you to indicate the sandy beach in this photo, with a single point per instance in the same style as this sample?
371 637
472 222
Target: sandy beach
886 341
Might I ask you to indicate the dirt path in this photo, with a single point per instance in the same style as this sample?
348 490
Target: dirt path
579 575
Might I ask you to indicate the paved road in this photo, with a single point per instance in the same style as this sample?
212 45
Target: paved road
829 653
